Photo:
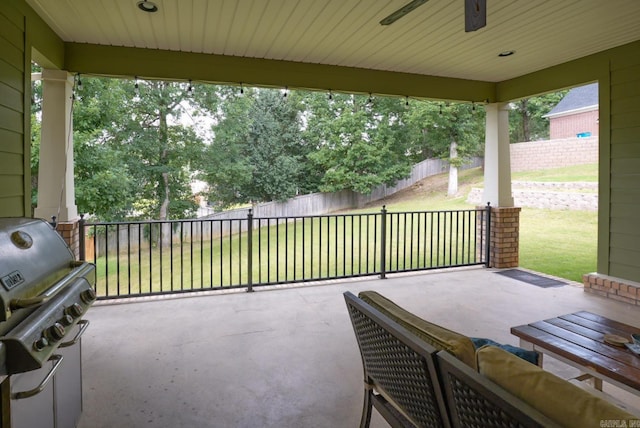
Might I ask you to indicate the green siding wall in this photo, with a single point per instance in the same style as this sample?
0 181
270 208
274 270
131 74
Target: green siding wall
14 156
624 225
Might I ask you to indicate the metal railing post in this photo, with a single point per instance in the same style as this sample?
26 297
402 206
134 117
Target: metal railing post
250 251
81 238
487 262
383 243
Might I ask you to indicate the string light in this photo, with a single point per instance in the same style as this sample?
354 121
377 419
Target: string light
473 106
190 89
440 109
241 89
370 100
330 95
406 101
79 85
286 92
136 88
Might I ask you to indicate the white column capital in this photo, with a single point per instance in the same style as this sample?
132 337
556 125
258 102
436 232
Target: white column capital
57 75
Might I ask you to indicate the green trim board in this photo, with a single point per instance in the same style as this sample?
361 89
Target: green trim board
604 172
173 65
47 47
26 117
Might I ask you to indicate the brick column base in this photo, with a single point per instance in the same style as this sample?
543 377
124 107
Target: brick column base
611 287
505 237
70 232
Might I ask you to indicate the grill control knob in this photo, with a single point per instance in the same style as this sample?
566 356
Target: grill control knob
88 296
40 344
74 310
66 320
55 332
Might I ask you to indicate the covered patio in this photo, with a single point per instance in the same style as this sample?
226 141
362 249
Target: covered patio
287 356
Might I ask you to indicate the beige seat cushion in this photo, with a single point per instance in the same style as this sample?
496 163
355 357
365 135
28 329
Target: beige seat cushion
554 397
438 337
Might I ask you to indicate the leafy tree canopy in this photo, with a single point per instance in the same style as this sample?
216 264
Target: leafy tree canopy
139 145
359 143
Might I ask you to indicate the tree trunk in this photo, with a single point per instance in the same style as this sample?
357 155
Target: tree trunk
164 206
526 132
453 169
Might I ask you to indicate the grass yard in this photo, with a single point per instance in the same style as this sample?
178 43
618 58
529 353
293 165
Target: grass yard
315 248
560 243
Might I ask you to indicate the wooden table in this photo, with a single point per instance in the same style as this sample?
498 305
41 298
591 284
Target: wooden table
578 340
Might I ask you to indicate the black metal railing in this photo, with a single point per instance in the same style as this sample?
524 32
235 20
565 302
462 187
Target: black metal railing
158 257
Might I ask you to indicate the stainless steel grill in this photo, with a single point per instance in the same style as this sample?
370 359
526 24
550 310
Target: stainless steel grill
44 294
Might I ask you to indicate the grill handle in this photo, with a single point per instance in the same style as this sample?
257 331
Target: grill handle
30 302
38 389
51 291
83 326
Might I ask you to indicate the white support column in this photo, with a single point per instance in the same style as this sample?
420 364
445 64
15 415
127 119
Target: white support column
497 161
56 194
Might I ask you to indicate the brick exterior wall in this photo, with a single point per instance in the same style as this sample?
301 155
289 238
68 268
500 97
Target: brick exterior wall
535 155
572 124
613 288
504 240
70 232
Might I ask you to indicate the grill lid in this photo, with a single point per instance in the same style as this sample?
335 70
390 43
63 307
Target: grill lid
33 257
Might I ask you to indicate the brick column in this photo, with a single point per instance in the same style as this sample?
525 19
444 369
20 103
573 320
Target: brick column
70 232
505 237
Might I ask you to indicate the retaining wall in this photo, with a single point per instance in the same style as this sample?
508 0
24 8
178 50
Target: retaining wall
535 155
580 196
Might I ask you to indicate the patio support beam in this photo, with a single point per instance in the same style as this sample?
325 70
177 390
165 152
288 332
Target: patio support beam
56 195
505 218
172 65
497 161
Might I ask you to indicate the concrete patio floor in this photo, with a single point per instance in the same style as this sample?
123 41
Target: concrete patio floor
286 357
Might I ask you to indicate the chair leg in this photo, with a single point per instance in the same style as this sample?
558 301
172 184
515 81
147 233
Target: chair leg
366 409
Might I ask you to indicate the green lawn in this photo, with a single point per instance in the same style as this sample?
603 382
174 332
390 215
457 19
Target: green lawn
559 243
570 173
317 248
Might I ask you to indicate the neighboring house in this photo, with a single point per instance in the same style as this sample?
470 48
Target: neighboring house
576 115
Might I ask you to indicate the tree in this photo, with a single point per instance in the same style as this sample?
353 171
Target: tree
257 152
103 184
526 121
451 131
160 152
135 154
359 143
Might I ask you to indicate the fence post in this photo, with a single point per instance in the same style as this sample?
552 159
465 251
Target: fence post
82 243
487 261
383 243
250 250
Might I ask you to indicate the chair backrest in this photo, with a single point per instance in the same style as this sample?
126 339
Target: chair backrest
475 401
398 364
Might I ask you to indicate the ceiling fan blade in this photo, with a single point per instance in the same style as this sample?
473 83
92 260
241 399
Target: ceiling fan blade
402 12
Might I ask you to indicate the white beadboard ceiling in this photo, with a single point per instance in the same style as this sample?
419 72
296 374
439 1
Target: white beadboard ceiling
430 40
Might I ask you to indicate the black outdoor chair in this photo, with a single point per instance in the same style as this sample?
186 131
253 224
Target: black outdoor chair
475 401
412 384
400 377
